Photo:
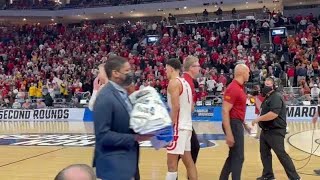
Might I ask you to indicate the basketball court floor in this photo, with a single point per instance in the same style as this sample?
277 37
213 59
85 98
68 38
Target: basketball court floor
38 150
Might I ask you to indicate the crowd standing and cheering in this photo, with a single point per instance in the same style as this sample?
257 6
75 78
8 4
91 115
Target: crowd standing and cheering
39 64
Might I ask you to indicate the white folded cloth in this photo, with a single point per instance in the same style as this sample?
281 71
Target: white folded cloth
149 114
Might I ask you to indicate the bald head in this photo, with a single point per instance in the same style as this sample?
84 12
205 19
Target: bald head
76 172
241 73
240 69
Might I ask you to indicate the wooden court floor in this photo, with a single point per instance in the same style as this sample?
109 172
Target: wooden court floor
38 150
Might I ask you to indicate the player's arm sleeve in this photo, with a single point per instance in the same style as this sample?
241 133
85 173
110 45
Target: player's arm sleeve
103 117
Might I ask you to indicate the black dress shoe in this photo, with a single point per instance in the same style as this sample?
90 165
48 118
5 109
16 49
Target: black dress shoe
264 178
317 171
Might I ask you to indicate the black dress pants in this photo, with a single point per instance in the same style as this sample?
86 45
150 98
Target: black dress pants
195 146
274 139
137 175
234 162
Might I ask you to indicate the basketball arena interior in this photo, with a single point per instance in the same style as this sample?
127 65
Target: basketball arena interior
50 52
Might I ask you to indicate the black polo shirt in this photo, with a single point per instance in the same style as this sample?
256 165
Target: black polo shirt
275 103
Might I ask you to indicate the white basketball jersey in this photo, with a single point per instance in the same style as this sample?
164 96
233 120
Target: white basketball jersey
185 99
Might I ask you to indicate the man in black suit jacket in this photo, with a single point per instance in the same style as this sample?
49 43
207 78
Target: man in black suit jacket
117 149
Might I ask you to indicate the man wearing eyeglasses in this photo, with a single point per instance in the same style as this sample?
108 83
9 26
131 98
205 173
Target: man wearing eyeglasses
191 70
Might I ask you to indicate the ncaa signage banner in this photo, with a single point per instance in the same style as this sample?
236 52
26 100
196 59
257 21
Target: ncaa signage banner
301 112
293 112
42 114
207 113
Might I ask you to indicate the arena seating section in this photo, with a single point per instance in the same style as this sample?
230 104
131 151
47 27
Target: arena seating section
55 63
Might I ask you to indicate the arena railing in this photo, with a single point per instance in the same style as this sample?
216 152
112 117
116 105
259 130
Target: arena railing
224 17
78 99
294 96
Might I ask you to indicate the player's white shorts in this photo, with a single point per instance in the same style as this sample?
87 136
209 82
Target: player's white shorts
180 143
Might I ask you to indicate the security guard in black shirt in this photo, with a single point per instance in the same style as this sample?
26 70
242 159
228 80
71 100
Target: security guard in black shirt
273 123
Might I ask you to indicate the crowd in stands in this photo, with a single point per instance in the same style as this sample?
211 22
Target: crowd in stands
40 64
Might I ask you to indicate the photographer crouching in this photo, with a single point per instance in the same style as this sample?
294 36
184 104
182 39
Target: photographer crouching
272 121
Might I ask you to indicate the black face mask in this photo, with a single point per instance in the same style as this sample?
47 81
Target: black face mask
266 90
128 79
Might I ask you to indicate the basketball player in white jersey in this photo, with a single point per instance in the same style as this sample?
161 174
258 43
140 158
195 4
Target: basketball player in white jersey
180 103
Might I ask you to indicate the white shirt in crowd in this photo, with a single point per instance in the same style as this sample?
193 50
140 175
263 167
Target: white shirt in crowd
304 40
201 81
303 22
197 36
232 26
265 25
254 41
211 83
219 86
246 31
154 26
272 22
240 48
315 91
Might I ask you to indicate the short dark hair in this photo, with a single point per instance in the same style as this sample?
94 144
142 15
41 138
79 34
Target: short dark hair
271 79
84 167
114 63
174 63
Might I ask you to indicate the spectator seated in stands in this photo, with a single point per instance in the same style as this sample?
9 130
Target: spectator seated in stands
27 104
16 104
40 104
315 91
32 91
48 101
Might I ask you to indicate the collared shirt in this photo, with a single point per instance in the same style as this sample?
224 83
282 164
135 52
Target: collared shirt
236 96
124 95
274 103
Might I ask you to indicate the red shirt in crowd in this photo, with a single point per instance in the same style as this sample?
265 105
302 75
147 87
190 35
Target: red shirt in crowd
236 96
290 72
277 40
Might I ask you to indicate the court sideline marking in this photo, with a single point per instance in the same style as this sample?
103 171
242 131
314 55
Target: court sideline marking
31 157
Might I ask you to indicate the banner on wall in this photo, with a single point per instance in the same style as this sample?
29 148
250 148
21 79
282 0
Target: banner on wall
42 114
214 113
293 112
207 113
